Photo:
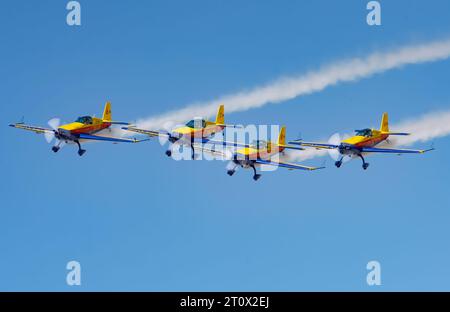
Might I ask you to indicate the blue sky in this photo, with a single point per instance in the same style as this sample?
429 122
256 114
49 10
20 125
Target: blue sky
137 220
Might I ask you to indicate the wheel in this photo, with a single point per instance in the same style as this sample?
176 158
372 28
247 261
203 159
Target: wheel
338 164
230 172
55 149
169 153
81 152
365 166
256 177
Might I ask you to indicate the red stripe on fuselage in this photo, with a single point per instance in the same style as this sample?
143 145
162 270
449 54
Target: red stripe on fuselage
370 142
264 154
92 128
208 131
204 132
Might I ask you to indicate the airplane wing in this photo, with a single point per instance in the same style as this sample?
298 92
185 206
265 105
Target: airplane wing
224 143
393 150
150 133
292 147
289 166
31 128
84 136
212 151
315 145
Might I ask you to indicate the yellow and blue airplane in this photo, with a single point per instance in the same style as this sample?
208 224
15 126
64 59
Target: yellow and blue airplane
362 143
83 129
195 130
258 153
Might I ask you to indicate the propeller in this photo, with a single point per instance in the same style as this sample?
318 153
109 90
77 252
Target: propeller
166 133
54 124
163 138
228 154
334 153
335 139
231 165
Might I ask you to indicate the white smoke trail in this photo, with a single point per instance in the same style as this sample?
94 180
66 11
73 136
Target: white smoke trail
289 88
424 128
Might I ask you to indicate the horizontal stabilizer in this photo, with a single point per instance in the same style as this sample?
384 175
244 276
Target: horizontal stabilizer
230 126
396 133
117 122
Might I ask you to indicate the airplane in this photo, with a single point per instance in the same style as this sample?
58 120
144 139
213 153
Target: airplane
258 153
83 129
193 131
362 143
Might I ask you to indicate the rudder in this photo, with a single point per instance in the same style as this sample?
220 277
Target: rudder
220 118
384 123
282 136
107 112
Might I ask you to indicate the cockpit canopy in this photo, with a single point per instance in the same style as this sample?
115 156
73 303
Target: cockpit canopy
364 132
196 123
87 120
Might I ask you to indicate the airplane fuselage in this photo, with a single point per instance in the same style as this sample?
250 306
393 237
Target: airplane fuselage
246 157
78 127
252 153
354 144
71 131
188 134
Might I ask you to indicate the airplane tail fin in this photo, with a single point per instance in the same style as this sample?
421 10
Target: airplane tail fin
282 136
385 126
384 123
107 112
282 141
220 118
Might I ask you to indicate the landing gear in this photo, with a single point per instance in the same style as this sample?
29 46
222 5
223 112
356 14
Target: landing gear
169 150
365 165
192 152
231 168
339 162
255 175
80 150
56 147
